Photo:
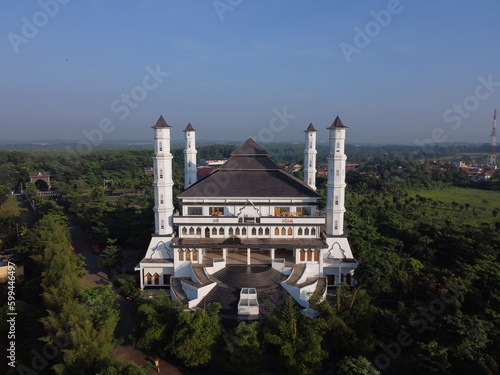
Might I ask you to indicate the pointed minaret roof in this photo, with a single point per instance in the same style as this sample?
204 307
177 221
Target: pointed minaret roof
161 123
249 147
337 124
310 128
189 128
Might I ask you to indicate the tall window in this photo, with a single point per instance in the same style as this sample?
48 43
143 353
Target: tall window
149 279
161 173
161 199
231 231
306 232
181 254
221 231
267 231
254 232
313 231
336 225
160 147
276 231
283 231
162 225
336 200
237 231
214 231
261 232
156 278
191 231
184 231
299 232
309 255
290 231
302 255
244 232
198 231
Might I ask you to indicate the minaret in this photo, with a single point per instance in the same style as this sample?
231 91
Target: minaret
336 180
163 183
310 157
190 152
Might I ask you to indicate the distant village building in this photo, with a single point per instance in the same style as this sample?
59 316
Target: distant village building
248 231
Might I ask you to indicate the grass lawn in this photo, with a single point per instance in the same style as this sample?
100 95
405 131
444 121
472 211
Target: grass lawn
18 204
481 202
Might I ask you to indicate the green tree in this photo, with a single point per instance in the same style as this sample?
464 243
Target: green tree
245 351
356 366
297 339
110 254
196 334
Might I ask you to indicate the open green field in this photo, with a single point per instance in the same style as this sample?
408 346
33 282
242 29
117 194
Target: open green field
18 204
480 203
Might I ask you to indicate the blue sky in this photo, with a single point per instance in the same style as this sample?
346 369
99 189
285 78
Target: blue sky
395 71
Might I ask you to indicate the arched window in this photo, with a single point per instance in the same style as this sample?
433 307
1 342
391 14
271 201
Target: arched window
254 232
302 255
156 277
188 254
149 278
299 232
276 231
198 231
336 225
207 232
316 255
181 254
267 231
338 146
160 147
221 231
161 173
161 199
283 231
214 231
184 231
162 224
306 232
313 231
309 255
237 231
261 231
336 200
244 232
195 255
290 231
191 231
231 231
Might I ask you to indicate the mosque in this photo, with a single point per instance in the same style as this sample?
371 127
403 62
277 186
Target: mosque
248 234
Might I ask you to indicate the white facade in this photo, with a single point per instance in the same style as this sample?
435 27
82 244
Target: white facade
336 180
247 212
310 157
190 152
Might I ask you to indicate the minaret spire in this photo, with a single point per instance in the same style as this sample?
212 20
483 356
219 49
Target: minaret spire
336 179
190 152
310 157
163 182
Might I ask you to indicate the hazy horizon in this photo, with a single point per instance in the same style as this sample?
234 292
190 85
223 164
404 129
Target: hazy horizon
396 72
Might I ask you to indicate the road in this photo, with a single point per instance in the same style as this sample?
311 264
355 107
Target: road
94 276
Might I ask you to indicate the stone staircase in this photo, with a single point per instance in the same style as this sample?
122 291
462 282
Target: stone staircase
231 279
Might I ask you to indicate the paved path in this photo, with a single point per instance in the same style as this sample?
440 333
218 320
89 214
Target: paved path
93 275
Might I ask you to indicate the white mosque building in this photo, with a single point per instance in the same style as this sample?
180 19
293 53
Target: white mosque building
248 234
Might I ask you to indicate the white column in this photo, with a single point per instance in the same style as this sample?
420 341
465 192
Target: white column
163 183
310 157
190 170
336 180
248 257
224 254
273 253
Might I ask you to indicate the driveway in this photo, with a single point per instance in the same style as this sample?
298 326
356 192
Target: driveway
94 276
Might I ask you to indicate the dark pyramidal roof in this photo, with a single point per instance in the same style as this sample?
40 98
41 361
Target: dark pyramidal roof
310 128
161 123
249 173
337 124
189 128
